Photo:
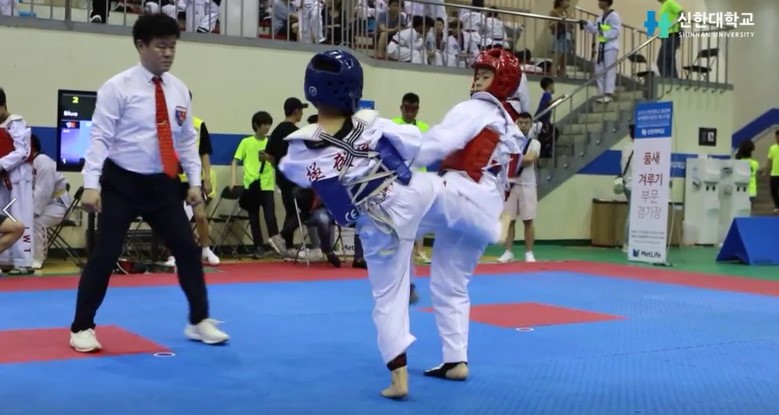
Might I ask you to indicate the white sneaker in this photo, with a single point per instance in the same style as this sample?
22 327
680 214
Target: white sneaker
36 264
171 262
604 99
507 256
278 244
206 332
85 341
313 254
210 257
529 257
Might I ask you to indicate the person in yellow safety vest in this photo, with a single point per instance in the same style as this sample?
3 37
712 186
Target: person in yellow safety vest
209 191
259 181
607 28
409 109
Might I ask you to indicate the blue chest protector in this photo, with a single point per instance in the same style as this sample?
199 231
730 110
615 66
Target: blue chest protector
344 202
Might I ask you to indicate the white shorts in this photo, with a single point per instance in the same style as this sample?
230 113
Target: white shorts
522 202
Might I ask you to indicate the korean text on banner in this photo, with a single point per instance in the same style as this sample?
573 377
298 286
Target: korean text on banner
650 193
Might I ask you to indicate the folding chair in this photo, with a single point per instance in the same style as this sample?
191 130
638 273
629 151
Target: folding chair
228 203
703 71
55 233
304 236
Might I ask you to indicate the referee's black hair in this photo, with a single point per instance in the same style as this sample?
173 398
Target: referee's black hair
155 26
3 102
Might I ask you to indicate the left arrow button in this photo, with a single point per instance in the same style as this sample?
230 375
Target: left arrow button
8 206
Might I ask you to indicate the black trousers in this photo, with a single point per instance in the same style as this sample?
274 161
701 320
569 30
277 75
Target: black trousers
290 214
125 196
774 184
252 200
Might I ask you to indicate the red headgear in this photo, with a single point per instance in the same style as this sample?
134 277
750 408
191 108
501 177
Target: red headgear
506 68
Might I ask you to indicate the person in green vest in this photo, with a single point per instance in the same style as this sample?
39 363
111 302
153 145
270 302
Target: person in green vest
744 152
772 167
259 180
670 11
209 189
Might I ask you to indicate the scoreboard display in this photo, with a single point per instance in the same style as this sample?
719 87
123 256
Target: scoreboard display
74 125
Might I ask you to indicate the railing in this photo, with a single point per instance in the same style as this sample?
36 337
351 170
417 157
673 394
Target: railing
707 52
585 120
345 22
355 24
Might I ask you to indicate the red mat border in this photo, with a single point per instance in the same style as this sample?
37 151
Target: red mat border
269 272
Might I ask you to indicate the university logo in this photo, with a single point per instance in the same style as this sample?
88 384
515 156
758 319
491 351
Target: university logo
652 24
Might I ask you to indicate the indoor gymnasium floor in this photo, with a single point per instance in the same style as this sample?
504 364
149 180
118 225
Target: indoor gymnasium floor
580 334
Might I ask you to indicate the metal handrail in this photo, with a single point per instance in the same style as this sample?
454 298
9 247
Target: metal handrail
633 28
623 58
501 11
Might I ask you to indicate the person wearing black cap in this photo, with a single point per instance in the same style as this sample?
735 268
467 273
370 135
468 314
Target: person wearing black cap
277 148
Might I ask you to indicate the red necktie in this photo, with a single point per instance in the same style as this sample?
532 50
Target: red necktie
170 164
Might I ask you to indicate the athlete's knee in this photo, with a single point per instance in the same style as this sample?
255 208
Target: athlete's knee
10 227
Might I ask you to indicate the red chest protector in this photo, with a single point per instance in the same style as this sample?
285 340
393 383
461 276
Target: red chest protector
476 155
6 147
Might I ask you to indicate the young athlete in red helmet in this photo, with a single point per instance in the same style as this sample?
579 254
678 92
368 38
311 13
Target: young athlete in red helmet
476 141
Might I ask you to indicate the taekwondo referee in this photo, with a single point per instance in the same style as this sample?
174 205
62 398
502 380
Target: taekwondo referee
142 121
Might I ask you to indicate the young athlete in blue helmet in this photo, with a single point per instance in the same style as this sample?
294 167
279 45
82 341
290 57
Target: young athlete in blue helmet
357 162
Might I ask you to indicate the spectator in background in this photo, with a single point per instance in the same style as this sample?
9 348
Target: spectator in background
332 16
607 29
50 198
666 56
435 42
277 148
408 45
772 166
285 20
320 224
310 22
259 180
547 85
523 196
473 21
461 47
562 37
549 132
390 23
744 153
204 149
434 10
494 30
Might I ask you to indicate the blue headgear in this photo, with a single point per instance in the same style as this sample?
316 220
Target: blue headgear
334 79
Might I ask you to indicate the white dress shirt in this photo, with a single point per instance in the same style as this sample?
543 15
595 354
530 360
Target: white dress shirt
124 126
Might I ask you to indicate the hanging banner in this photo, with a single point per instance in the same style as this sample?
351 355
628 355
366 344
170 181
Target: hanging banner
651 179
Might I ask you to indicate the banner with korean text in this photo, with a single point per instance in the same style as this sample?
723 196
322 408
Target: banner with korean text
651 180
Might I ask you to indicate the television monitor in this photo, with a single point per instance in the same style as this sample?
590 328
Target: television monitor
74 124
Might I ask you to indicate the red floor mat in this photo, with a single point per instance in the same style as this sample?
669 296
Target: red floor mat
526 315
40 345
